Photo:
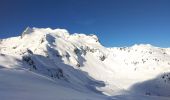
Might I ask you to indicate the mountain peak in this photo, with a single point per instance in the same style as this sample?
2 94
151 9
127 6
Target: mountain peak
28 30
37 33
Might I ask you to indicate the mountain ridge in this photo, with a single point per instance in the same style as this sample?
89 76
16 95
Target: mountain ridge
81 63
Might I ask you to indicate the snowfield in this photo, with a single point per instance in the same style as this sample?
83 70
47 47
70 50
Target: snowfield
52 64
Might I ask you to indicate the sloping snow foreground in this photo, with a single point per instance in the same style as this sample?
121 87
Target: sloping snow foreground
51 64
25 85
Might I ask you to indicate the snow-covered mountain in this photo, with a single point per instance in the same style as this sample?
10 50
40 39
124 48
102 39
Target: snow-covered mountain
51 64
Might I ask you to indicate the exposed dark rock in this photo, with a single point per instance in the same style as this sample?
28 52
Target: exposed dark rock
29 61
102 58
29 51
78 65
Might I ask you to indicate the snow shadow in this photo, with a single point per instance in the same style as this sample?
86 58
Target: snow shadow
159 86
50 39
1 67
55 68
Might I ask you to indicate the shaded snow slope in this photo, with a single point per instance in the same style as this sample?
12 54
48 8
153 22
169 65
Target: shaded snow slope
25 85
81 66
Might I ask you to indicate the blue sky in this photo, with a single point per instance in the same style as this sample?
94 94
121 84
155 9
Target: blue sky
115 22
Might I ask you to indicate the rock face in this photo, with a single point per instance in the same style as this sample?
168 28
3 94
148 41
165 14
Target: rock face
81 63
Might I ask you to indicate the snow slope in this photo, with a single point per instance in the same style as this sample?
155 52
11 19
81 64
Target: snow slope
25 85
50 64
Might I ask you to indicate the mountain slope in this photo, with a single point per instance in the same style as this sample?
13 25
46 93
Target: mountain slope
78 65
